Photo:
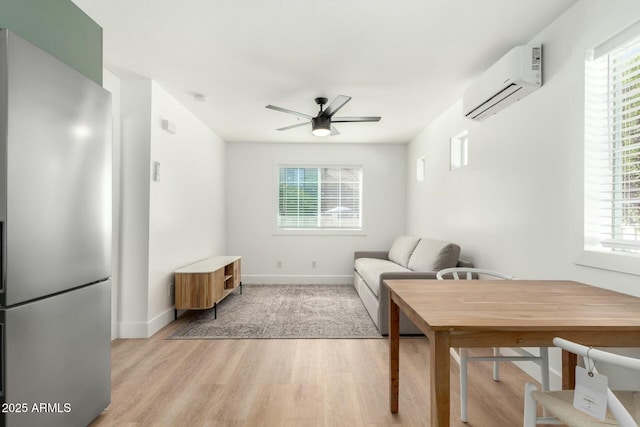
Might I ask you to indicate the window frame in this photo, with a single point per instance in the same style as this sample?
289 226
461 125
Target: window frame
597 250
336 231
459 150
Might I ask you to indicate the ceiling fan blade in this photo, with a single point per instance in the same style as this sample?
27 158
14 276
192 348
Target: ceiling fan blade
355 119
284 110
335 105
294 126
334 131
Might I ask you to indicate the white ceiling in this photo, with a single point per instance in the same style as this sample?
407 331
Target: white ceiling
403 60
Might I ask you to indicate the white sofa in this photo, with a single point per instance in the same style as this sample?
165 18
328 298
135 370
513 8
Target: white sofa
408 258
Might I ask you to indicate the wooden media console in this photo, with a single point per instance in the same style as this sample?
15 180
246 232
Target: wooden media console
203 284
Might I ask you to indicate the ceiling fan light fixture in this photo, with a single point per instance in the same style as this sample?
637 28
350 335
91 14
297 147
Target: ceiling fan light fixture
321 132
321 126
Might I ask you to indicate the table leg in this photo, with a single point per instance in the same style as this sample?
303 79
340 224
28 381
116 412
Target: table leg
439 345
394 354
569 362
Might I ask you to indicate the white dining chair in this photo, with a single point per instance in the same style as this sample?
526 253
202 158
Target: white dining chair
460 355
624 406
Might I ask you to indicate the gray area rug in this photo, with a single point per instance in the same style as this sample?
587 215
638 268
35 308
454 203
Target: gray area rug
284 311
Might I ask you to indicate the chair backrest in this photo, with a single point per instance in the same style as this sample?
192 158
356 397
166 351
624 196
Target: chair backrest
469 273
618 411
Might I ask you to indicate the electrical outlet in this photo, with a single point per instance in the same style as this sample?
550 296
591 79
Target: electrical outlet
313 264
278 264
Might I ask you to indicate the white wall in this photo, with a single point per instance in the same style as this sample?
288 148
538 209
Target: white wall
251 210
517 206
112 84
186 214
169 223
135 109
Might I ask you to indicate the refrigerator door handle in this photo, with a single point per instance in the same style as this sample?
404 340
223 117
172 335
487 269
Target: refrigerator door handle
2 360
2 260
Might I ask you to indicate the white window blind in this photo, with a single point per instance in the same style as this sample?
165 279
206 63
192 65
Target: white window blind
612 148
320 197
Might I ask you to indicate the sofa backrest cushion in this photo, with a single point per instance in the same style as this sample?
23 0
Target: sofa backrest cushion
402 248
434 255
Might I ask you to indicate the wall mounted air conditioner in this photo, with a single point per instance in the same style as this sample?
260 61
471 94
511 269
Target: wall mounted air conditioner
514 76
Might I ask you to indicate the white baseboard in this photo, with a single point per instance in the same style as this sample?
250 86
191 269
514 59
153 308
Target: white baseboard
145 329
161 320
297 280
133 330
533 370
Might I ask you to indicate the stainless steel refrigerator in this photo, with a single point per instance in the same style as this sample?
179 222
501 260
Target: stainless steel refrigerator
55 228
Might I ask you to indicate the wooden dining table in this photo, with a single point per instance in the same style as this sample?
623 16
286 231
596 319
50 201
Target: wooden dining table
504 313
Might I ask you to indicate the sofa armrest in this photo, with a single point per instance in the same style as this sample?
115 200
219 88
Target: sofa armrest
407 275
371 254
464 263
383 293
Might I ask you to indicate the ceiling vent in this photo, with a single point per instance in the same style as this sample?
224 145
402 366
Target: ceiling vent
514 76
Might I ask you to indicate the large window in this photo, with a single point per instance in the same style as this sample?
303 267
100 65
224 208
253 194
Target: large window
612 150
320 197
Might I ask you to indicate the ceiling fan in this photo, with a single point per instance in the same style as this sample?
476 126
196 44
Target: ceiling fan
322 124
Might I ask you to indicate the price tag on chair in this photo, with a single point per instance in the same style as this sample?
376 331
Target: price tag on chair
590 395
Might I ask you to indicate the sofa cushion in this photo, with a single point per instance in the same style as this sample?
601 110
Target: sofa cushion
370 270
401 249
434 255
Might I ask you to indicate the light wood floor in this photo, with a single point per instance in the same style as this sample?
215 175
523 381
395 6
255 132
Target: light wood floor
158 382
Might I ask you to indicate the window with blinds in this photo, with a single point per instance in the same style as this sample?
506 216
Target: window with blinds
612 148
320 197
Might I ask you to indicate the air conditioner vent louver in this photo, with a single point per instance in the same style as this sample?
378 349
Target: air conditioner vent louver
514 76
485 108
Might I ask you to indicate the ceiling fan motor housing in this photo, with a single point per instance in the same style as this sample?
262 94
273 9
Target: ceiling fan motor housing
321 123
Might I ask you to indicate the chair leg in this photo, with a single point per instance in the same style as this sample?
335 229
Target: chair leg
496 364
529 406
463 384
